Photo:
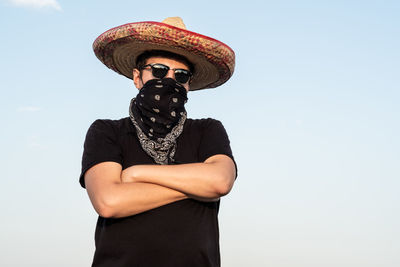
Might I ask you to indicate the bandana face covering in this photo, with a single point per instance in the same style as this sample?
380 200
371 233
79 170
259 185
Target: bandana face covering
159 106
158 115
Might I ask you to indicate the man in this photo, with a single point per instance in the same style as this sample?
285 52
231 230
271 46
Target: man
155 178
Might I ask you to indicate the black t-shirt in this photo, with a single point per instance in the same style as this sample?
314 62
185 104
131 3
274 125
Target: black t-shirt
183 233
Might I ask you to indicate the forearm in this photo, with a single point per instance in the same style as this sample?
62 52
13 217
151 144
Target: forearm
209 180
113 198
133 198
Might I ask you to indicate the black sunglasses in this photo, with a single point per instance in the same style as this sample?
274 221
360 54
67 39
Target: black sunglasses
159 71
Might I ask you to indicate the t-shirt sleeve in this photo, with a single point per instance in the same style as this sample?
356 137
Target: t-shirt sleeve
101 145
214 141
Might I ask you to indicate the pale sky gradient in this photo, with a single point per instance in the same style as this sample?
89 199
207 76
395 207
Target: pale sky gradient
312 112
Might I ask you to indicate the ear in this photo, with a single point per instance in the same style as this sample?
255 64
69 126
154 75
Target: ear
137 80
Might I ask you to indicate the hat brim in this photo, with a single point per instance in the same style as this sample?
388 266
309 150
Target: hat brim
119 47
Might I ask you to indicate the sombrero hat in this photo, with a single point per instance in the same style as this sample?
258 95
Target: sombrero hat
119 47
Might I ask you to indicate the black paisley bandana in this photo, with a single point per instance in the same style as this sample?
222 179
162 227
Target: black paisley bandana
158 115
159 105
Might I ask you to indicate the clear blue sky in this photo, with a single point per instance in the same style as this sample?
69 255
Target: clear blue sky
312 112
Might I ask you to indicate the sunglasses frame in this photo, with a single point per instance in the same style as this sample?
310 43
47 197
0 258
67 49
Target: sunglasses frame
167 68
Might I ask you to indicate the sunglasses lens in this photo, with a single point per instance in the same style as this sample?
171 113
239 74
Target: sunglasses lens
159 71
182 76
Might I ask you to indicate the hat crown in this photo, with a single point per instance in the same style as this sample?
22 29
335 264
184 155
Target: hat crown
175 21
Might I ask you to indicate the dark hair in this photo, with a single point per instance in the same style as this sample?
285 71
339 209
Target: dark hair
142 58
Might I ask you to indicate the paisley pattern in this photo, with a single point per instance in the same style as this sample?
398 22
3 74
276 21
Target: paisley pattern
162 150
155 108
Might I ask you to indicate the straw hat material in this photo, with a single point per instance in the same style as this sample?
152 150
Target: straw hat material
119 48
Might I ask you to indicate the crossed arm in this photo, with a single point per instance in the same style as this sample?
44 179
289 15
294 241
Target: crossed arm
116 193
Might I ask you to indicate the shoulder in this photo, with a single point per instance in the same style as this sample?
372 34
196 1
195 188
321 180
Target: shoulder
102 143
108 123
205 130
212 137
109 126
203 124
105 129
